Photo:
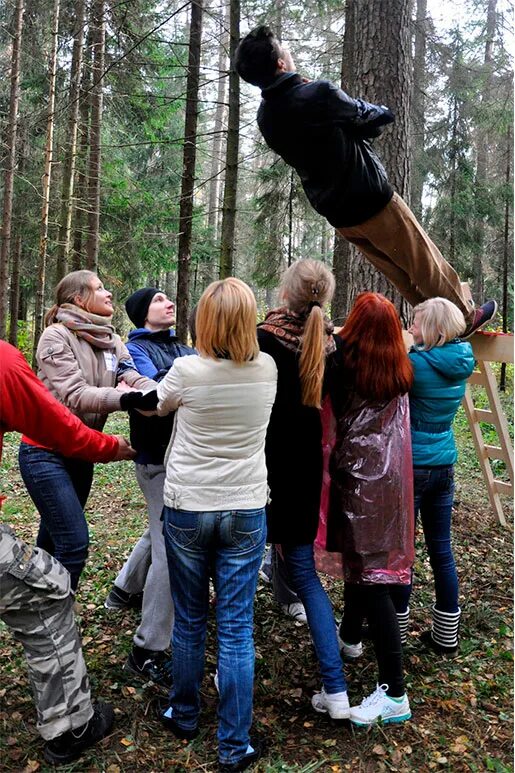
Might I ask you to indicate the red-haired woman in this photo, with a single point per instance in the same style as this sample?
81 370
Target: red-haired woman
370 519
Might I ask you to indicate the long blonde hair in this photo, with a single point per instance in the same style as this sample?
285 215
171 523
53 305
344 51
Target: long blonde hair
226 321
306 286
76 283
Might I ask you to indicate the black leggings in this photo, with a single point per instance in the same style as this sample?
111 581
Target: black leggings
375 603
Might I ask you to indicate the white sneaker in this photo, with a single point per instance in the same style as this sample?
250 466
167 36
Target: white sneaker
350 651
217 683
295 610
336 704
380 707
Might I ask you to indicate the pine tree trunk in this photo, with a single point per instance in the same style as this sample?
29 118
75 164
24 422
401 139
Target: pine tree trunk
507 254
65 225
216 160
14 290
10 161
47 176
188 175
419 108
381 63
231 158
94 167
80 200
480 187
16 253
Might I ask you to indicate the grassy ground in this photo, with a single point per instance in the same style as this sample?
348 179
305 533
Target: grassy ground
462 709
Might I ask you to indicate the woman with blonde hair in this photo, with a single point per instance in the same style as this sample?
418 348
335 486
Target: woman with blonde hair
442 363
80 360
299 338
214 518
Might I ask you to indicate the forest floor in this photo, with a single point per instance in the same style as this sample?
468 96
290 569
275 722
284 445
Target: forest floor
462 708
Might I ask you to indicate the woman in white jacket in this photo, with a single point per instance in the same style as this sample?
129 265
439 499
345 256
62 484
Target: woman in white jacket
214 518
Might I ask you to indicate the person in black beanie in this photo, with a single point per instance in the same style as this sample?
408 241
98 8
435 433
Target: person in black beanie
153 346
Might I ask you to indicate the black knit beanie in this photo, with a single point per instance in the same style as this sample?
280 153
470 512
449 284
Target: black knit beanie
137 305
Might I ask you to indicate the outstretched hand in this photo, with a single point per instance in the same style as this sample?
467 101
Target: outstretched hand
125 450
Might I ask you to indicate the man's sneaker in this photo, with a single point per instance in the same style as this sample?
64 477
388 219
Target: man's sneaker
255 751
150 666
335 704
120 599
350 651
295 610
426 637
70 745
379 707
163 712
482 316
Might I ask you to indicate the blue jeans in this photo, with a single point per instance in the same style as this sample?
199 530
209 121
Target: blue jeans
434 495
229 546
59 487
300 563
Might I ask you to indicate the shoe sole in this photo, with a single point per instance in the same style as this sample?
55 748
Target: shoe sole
385 721
480 327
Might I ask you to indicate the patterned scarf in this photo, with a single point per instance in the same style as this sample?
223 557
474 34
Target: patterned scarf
288 328
95 329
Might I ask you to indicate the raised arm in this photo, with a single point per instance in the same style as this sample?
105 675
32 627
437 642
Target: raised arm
358 116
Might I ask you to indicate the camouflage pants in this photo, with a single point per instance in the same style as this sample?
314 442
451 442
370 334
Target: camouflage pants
37 605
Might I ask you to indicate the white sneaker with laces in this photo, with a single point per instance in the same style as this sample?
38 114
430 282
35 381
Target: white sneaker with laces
350 651
335 704
295 610
380 707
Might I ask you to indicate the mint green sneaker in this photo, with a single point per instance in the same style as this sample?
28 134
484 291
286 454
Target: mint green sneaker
379 707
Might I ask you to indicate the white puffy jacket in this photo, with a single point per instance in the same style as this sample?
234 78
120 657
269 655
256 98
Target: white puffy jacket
216 457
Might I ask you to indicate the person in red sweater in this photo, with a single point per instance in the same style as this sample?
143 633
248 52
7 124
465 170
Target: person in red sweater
36 601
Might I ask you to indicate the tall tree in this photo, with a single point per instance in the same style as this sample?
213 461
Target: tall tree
65 225
47 178
382 69
80 184
481 183
231 157
188 175
94 166
419 107
216 147
10 164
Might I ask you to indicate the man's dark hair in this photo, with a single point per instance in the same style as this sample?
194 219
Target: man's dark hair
257 55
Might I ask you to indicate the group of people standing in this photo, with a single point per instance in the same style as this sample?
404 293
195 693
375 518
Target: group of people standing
228 451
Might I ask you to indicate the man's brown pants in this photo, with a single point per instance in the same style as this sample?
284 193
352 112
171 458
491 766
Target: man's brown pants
397 245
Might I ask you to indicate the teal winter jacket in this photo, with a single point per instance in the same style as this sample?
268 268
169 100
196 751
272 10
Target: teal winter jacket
440 375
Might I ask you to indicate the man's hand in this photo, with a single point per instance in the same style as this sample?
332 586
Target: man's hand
125 451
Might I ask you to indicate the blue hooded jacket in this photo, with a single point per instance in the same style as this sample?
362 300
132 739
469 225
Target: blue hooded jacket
440 376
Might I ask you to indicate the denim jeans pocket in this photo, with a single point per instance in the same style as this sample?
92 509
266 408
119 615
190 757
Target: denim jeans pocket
247 528
182 526
421 477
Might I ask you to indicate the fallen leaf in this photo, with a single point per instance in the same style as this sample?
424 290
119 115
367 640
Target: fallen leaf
378 749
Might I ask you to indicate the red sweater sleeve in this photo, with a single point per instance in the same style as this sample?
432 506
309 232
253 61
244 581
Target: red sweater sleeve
27 406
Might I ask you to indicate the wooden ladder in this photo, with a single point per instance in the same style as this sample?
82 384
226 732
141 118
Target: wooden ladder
491 347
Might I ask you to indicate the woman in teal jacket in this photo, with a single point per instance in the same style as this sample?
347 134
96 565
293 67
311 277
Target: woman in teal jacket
441 364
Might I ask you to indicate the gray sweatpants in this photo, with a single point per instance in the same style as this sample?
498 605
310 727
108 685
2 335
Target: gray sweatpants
37 605
157 615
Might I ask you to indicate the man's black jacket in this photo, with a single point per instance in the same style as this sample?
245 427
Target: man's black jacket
322 133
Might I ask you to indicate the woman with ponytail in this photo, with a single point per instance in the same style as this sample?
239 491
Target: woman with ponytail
80 360
299 338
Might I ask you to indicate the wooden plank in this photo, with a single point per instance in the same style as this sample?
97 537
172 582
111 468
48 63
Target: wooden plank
484 415
499 418
495 452
504 488
477 378
479 444
492 347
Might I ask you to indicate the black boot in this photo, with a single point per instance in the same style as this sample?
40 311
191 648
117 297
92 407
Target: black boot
258 745
70 745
